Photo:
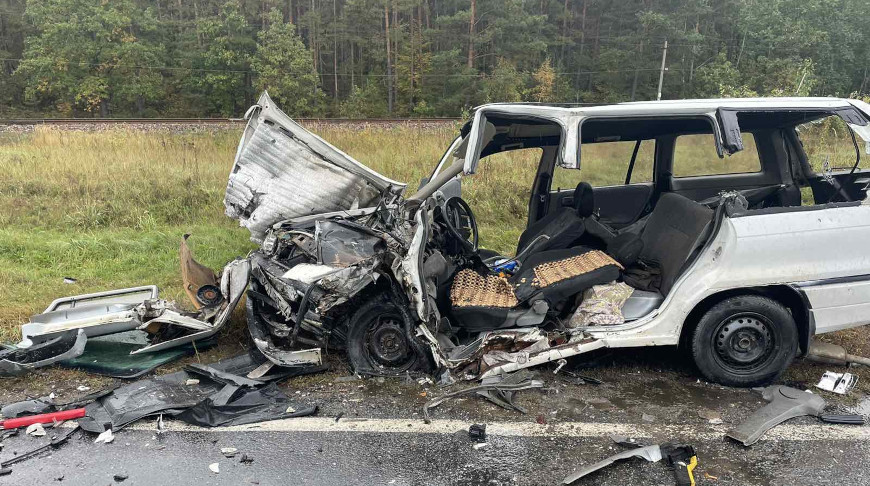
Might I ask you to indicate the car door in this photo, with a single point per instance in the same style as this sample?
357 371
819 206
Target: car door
621 175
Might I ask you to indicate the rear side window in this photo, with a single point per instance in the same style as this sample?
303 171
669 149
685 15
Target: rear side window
606 164
695 155
828 142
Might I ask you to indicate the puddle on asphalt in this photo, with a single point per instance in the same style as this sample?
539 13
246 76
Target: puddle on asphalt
665 393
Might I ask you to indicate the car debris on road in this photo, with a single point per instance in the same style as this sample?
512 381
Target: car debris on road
680 458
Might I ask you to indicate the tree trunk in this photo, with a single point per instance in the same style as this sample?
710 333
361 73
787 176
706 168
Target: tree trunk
471 34
564 34
583 29
389 58
335 50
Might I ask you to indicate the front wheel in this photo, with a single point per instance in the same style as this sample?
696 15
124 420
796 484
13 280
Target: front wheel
381 340
745 341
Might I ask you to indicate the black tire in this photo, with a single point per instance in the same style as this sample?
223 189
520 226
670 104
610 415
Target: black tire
381 340
745 341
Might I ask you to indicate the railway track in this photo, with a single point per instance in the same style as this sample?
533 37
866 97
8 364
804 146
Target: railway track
217 121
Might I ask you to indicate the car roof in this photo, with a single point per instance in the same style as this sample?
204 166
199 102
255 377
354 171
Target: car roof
671 107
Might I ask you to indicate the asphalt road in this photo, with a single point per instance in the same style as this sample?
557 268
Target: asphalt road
381 439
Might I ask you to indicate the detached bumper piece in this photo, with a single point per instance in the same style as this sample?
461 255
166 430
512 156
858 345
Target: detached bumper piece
61 332
785 403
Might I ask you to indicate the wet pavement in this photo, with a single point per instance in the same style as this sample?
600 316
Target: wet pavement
381 439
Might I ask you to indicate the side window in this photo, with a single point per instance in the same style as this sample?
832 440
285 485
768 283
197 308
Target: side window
695 155
499 194
829 141
606 164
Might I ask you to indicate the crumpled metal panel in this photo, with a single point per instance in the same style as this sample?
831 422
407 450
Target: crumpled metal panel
283 171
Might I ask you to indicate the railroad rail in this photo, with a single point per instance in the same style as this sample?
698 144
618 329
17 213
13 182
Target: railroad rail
204 121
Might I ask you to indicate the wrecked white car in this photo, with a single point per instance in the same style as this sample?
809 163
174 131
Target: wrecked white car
740 259
730 263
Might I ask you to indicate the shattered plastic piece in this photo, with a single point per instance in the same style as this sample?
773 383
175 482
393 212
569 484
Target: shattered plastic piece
229 452
191 381
480 445
214 467
120 478
36 430
169 394
266 403
839 383
28 407
222 376
106 437
785 403
19 359
498 387
83 388
477 432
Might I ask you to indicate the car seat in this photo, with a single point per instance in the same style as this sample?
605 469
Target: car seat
547 280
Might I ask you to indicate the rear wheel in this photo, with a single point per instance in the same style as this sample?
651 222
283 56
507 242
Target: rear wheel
381 340
745 341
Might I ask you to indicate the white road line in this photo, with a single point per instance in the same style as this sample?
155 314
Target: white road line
524 429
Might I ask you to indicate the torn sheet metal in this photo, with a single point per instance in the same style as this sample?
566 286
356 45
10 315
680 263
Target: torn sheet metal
283 171
234 281
785 403
503 396
61 333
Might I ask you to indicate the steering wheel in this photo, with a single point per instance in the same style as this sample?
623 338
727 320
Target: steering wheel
461 223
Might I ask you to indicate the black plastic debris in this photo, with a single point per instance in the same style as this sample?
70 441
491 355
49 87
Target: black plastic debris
477 432
56 441
499 391
120 478
846 418
34 406
249 406
215 395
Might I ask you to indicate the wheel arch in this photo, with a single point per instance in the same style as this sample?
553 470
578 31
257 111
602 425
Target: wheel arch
792 297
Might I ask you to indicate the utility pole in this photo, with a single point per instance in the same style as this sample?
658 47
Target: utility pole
662 71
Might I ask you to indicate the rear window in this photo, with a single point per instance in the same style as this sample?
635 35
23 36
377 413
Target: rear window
695 155
828 143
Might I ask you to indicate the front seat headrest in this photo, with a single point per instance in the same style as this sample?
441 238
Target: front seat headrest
584 200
